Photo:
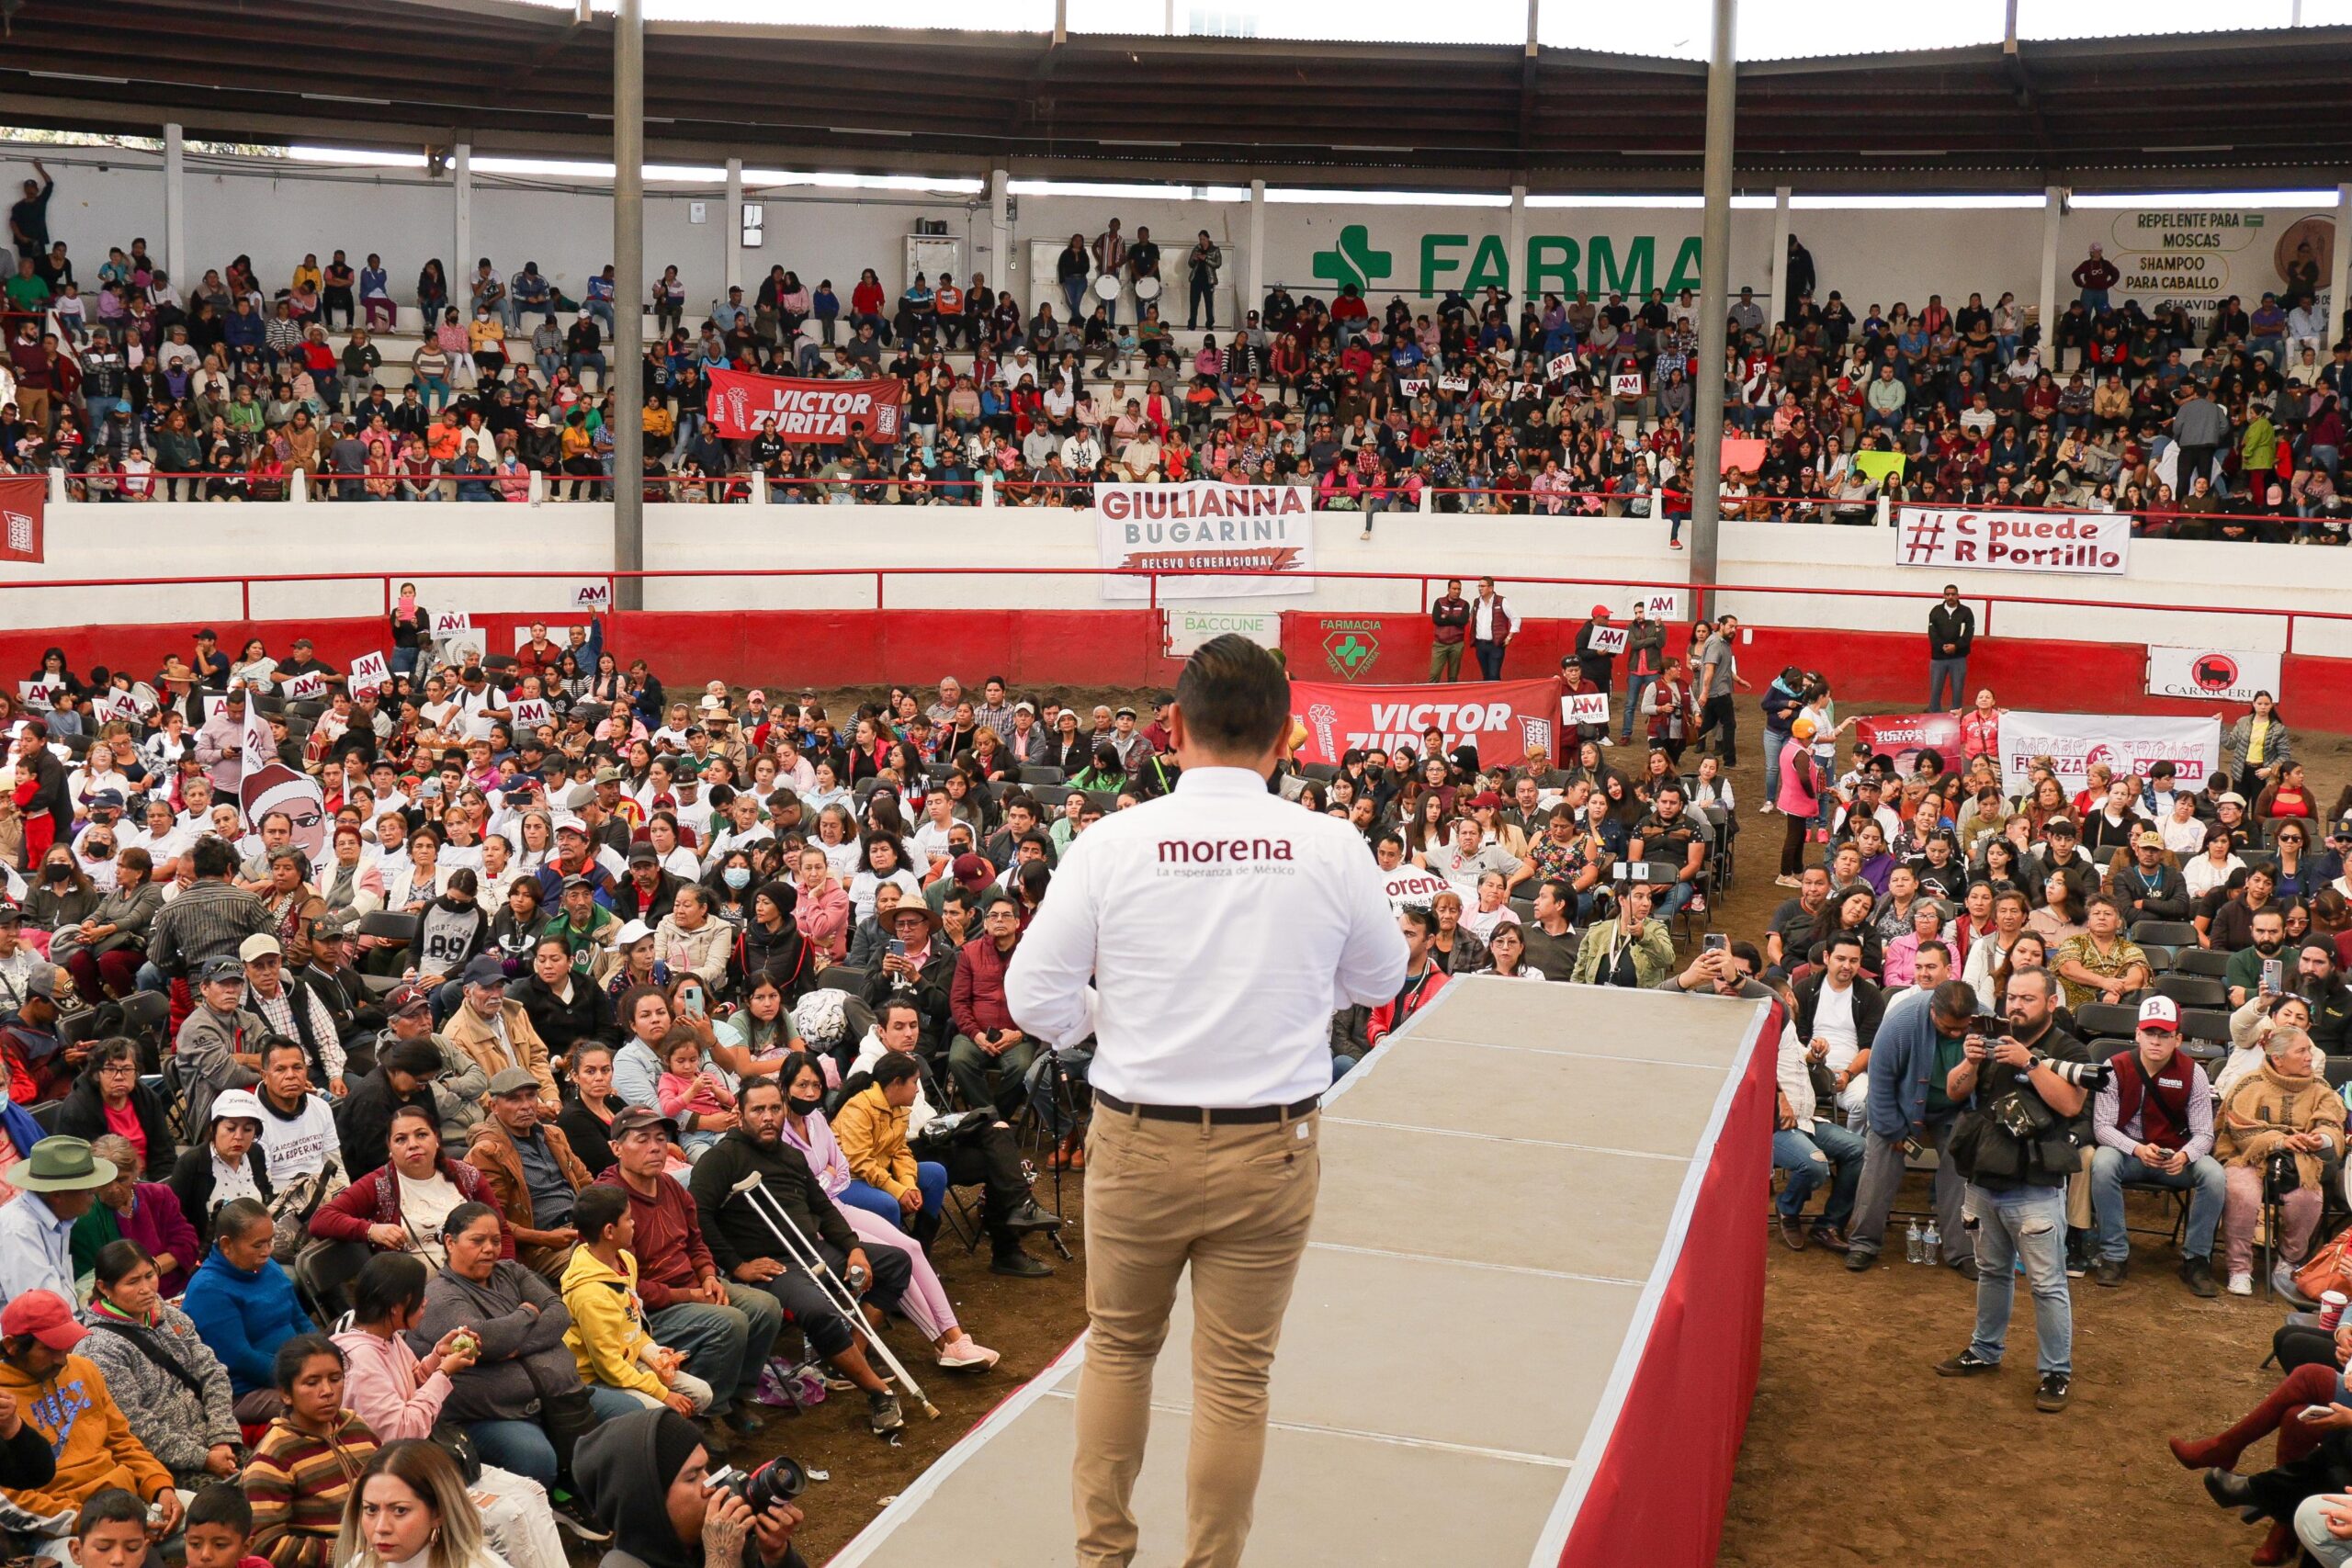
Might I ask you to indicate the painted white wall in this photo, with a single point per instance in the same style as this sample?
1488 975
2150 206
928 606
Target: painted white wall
276 214
996 558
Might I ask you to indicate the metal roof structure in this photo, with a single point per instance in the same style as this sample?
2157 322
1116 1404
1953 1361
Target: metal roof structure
2144 113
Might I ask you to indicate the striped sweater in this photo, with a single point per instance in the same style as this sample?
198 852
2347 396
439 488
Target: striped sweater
298 1484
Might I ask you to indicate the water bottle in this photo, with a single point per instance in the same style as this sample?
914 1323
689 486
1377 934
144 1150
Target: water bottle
1914 1245
1931 1244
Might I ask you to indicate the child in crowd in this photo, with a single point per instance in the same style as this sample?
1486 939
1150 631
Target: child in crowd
686 1087
219 1526
608 1337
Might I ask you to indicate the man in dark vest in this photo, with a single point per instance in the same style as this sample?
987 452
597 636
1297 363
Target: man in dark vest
2154 1123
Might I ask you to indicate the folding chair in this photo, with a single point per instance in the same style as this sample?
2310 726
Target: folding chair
2104 1021
2193 990
2202 961
1039 775
2172 933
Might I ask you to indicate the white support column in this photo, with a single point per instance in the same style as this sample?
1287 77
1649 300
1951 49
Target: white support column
1241 307
2339 276
2053 211
1515 247
1778 305
175 256
1000 267
461 264
734 222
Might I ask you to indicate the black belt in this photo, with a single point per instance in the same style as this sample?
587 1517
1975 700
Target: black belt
1213 1114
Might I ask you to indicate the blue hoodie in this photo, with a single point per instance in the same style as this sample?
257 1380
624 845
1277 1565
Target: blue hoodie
245 1316
1780 705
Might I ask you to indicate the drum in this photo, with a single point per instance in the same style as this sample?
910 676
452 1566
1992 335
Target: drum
1147 289
1107 287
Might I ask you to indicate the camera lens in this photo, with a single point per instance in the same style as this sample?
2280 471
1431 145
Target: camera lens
778 1481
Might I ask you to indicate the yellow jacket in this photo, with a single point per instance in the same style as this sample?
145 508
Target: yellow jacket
873 1135
89 1434
607 1337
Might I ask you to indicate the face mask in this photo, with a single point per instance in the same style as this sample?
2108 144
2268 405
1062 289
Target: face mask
803 1107
738 878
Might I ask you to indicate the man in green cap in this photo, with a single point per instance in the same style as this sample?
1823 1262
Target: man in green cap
56 1185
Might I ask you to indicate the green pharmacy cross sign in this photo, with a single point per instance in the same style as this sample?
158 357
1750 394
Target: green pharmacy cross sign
1551 264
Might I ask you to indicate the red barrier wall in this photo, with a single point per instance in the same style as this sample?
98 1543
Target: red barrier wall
1124 647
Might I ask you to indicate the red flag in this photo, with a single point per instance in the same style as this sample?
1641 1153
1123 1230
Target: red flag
23 504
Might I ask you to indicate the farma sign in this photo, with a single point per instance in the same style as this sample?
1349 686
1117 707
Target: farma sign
1553 263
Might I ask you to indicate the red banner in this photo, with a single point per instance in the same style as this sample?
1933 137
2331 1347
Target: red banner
1905 735
23 506
1503 719
744 404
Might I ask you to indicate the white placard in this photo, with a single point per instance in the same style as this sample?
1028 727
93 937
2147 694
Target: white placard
1943 538
1454 383
595 594
306 688
1412 386
1625 384
446 623
1662 604
1608 639
2127 743
117 704
1527 389
212 703
1558 367
2210 675
40 695
370 670
1187 629
1584 707
529 713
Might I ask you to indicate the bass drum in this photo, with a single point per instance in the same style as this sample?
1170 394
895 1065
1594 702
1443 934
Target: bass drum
1147 289
1106 287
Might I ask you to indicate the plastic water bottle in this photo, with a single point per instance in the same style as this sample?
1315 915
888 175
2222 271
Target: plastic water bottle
1914 1244
1931 1244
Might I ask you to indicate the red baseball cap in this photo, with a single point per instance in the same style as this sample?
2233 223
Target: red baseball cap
972 873
46 1317
2159 1012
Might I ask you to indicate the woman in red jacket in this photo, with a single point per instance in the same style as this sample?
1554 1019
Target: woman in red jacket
400 1207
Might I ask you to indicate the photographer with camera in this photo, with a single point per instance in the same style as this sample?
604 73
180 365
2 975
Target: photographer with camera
647 1477
2019 1143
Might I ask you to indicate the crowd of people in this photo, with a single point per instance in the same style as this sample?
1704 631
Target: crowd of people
224 386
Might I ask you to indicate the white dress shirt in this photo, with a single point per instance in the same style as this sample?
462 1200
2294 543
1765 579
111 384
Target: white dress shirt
1221 926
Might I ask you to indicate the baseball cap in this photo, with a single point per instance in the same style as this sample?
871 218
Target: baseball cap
106 798
1598 611
632 933
2160 1013
972 872
221 969
569 824
486 970
643 853
636 1116
408 998
2148 836
47 980
46 1317
261 944
513 1080
571 882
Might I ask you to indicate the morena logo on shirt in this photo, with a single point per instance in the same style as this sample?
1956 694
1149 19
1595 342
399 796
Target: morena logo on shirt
1222 851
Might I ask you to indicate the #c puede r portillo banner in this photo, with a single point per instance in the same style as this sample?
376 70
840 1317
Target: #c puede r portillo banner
1502 718
2095 543
744 404
1204 539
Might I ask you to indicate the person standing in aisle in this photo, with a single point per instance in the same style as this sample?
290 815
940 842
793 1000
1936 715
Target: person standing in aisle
1491 630
1204 1146
1951 632
1449 624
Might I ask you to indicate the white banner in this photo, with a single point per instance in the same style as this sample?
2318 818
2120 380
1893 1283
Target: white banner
1608 639
261 741
2210 675
1625 384
1207 540
1411 886
1454 383
2097 543
529 713
41 695
1558 367
2126 743
1585 707
306 688
448 623
370 670
116 704
1413 386
1187 629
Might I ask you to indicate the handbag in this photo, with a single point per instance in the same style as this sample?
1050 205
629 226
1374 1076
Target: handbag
455 1441
2327 1269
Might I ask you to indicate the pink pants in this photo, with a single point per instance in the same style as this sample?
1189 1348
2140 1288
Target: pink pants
2243 1205
926 1302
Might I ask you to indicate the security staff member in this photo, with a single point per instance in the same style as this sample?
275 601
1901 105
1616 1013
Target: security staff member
1220 926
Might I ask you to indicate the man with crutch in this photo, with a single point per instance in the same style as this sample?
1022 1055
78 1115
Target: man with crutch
1204 1146
748 1247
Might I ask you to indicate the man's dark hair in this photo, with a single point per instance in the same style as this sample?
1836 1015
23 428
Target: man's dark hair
214 857
758 1085
896 1004
1234 696
273 1044
109 1505
419 1058
1417 915
1842 939
388 1283
1389 836
1954 999
236 1217
1749 953
598 1208
1936 944
894 1068
222 1503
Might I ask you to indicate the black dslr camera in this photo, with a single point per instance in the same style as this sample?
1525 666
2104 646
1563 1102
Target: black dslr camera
778 1481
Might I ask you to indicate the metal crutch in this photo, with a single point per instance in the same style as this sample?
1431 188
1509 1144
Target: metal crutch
804 1252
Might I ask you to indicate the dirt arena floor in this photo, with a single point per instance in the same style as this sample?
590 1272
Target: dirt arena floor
1856 1454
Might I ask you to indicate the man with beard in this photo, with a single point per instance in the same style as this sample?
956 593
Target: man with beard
2319 983
2268 926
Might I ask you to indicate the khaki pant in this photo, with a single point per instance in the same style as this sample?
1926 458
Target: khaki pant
1235 1202
1445 661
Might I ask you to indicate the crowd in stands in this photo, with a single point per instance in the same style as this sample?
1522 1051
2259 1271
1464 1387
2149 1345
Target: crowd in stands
223 386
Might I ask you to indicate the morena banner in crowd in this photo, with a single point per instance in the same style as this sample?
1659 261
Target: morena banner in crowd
1944 537
2127 743
1213 540
1903 736
744 404
24 504
1504 720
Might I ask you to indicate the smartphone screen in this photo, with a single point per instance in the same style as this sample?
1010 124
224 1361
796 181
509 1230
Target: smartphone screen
1716 942
897 949
2273 971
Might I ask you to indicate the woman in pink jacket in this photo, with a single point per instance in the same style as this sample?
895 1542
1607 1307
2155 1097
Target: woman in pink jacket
1799 800
822 912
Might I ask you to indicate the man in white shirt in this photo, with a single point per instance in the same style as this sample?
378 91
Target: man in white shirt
1837 1016
1210 1087
298 1134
